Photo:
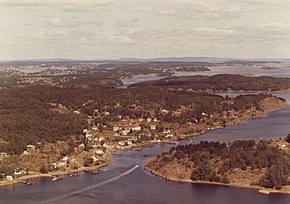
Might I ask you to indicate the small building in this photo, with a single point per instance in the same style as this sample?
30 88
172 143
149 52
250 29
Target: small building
19 171
136 128
30 148
149 120
129 142
95 159
122 143
9 178
116 128
153 127
86 131
101 138
100 152
166 131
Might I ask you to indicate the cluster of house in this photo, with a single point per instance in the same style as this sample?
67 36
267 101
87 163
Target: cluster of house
125 127
62 163
29 149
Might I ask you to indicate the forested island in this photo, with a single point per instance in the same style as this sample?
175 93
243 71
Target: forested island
240 163
220 83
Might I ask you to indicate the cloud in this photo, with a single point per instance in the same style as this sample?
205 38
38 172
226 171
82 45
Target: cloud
127 23
206 9
63 5
55 22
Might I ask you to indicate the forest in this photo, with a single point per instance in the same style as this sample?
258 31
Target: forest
214 161
36 113
221 82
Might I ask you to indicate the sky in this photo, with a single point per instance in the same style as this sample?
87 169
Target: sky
112 29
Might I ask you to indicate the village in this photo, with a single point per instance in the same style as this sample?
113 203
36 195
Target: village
93 148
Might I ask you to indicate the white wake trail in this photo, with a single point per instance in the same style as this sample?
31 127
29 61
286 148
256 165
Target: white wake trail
93 186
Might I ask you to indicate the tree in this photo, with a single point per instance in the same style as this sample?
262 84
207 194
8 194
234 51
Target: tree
43 169
88 161
288 138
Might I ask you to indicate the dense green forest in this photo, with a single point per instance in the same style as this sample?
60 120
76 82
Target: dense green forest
213 161
222 82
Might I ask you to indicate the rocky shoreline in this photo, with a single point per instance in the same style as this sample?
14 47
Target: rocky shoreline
285 190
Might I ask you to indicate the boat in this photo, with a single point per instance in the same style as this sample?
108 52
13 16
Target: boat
56 178
29 183
94 172
74 174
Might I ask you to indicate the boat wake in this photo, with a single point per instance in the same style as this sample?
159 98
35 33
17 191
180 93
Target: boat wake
92 186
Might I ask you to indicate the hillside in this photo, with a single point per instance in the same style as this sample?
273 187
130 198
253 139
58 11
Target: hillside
241 163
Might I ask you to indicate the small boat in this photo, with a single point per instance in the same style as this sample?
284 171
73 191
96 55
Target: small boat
74 174
94 172
29 183
56 178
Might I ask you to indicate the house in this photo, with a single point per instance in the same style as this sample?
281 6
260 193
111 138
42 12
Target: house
99 152
101 139
89 136
155 120
149 120
116 128
67 159
9 178
165 131
136 128
164 111
153 127
19 171
59 164
169 135
30 148
106 145
122 143
95 159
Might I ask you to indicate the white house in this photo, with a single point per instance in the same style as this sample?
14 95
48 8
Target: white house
116 128
19 171
136 128
99 152
153 127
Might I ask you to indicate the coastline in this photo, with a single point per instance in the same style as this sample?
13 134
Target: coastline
28 177
140 145
258 188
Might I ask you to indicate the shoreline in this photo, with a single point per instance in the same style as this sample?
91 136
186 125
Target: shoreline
37 175
258 188
109 160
